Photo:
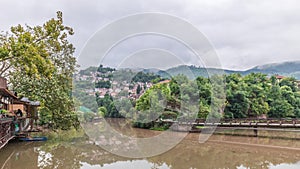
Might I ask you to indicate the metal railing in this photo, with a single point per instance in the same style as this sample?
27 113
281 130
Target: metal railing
6 131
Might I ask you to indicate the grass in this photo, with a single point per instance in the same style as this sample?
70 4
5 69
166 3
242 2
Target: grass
200 127
159 128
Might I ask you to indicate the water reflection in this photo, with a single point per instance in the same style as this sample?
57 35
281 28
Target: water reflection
219 152
127 165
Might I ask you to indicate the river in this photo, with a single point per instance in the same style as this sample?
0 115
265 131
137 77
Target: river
220 151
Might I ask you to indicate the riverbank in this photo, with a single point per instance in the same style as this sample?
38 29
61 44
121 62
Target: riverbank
122 124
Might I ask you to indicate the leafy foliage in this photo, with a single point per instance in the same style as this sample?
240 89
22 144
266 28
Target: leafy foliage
247 96
252 95
103 84
43 65
144 77
255 95
104 70
108 103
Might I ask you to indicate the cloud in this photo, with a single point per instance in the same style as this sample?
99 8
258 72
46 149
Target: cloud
244 33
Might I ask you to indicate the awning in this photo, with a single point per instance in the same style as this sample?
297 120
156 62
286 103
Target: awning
32 103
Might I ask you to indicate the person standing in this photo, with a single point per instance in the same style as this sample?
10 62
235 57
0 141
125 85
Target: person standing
19 113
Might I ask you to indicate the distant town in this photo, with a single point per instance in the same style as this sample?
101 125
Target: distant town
132 84
115 83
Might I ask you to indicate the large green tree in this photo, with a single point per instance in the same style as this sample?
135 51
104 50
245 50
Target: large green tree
284 98
257 88
237 103
22 49
42 69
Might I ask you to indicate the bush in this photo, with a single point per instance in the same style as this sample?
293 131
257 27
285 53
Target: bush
88 116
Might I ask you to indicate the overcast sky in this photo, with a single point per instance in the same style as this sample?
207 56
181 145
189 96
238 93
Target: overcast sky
244 33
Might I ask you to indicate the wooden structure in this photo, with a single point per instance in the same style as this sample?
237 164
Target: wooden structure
18 104
7 127
6 131
6 96
9 103
31 109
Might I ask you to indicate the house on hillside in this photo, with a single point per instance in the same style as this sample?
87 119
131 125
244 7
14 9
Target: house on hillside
164 81
279 77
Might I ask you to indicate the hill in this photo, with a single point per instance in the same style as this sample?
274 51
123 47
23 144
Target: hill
192 71
286 69
291 69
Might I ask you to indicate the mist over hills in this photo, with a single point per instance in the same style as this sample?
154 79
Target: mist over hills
285 68
291 69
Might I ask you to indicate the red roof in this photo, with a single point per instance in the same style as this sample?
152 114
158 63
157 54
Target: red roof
279 77
165 81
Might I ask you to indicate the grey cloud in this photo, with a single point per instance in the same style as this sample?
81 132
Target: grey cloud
244 33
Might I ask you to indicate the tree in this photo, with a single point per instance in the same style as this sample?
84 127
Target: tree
144 77
103 84
280 108
290 82
24 50
138 89
284 99
257 88
204 109
174 87
205 89
237 106
88 116
102 111
49 66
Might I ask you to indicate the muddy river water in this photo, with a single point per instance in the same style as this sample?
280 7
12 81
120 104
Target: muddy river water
220 151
